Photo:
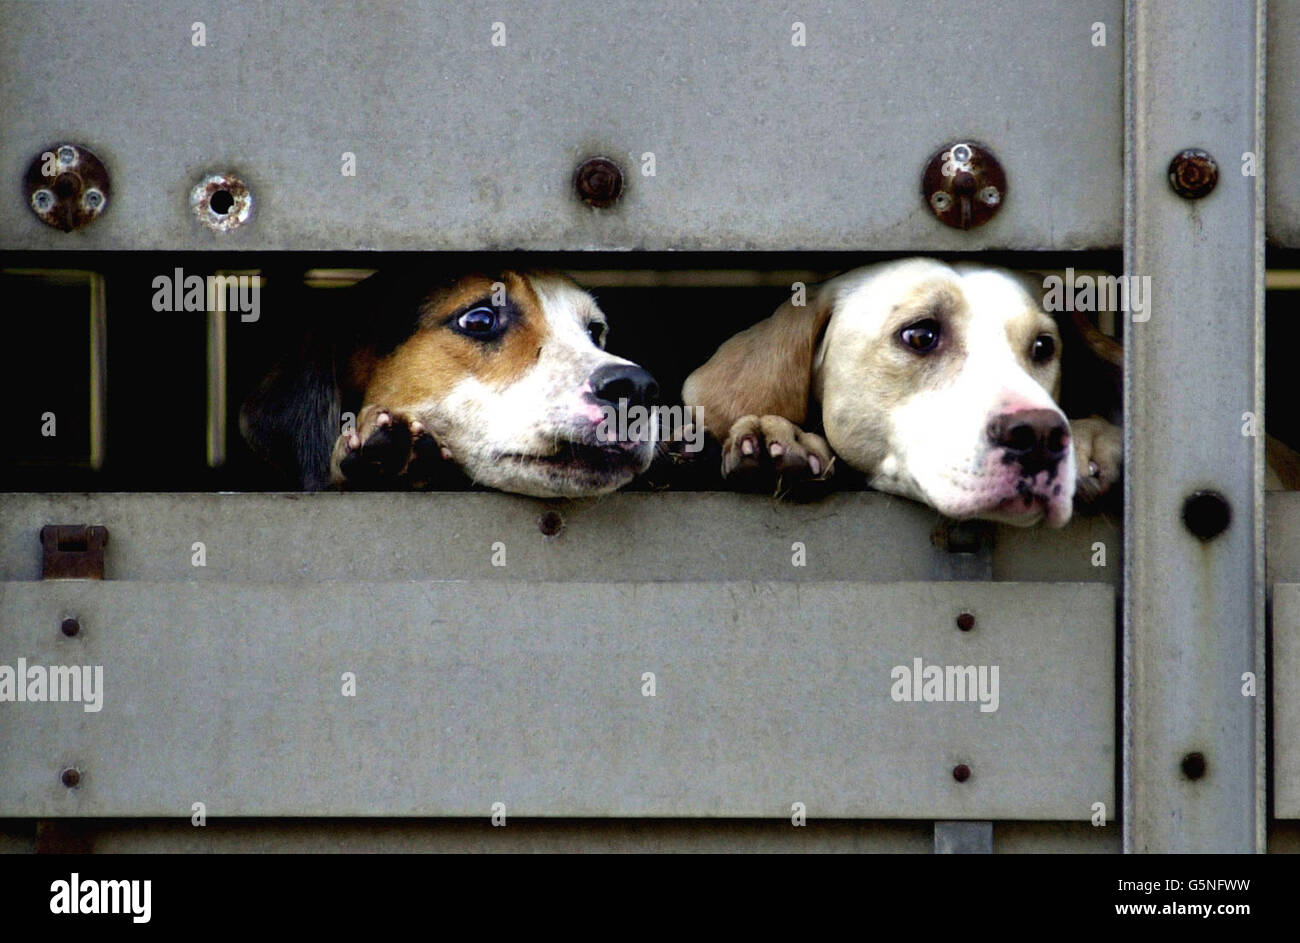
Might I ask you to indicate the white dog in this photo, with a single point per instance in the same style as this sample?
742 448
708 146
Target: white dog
938 382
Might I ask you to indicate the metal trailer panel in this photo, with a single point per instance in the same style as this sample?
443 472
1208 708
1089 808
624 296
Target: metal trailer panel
1193 614
1283 121
1282 535
1286 700
460 145
676 537
531 694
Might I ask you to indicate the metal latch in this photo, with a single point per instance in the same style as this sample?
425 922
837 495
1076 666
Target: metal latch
73 551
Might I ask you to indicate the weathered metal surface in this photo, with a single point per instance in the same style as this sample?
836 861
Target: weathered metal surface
757 142
676 536
1286 700
532 694
1283 211
1193 592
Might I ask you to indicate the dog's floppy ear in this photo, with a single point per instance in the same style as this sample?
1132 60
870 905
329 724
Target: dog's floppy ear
292 419
763 371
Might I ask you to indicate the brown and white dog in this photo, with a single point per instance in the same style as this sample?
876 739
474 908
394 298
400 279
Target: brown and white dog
502 377
938 382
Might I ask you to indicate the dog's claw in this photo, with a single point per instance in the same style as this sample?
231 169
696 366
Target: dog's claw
1099 457
771 451
386 449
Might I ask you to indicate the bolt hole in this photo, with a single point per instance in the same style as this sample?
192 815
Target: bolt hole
961 772
221 202
70 627
1207 514
966 621
1194 765
551 523
70 777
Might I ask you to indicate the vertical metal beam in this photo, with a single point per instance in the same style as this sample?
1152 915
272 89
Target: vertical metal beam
216 415
98 370
1193 608
968 555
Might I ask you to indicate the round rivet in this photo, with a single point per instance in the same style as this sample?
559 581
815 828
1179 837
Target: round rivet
67 186
1194 765
1207 514
961 772
1193 173
70 627
599 181
551 523
222 202
70 777
964 185
966 621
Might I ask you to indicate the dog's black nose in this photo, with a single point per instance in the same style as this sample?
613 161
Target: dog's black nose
1035 438
624 381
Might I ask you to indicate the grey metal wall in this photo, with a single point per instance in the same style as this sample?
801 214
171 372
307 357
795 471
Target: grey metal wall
533 675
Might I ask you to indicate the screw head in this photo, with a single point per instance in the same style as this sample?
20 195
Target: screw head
1207 514
964 184
70 626
1193 173
966 621
599 181
71 190
961 772
70 777
1194 766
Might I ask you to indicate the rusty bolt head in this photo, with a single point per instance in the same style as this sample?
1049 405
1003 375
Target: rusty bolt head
1193 173
222 202
964 185
966 621
71 626
599 181
70 777
961 772
67 186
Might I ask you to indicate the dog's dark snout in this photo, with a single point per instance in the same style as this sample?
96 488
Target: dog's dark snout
1036 438
625 381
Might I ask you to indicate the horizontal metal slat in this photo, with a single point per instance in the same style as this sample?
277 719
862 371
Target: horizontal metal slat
530 694
463 145
666 536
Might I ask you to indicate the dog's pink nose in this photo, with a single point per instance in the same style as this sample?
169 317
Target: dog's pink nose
1037 439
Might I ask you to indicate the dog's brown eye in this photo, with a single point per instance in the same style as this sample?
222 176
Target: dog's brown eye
481 323
1043 349
922 337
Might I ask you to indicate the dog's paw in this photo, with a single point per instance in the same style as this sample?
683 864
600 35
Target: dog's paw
763 448
387 449
1098 456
